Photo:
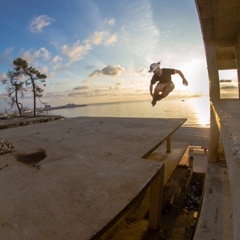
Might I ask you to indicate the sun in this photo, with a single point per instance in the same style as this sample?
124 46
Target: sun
195 71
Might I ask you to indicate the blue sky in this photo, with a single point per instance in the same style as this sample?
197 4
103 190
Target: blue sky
100 50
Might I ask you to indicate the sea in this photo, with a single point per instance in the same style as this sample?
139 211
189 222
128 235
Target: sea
196 110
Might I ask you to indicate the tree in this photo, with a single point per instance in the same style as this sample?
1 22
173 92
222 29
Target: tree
14 85
34 78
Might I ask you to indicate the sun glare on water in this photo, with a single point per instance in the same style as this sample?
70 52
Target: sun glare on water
201 108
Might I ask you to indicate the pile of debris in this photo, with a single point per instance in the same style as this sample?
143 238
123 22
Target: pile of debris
194 196
5 147
183 198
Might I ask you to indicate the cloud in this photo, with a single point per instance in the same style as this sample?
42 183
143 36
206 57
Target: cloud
5 54
76 51
81 91
44 70
141 72
3 76
79 88
96 38
110 21
38 23
228 84
30 55
112 39
110 70
57 59
54 95
228 87
89 66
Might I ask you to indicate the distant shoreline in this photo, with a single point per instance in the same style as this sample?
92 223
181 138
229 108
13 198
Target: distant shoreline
62 107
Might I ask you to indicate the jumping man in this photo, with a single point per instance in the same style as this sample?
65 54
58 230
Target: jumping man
164 79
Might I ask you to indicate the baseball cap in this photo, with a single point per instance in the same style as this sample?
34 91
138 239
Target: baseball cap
154 66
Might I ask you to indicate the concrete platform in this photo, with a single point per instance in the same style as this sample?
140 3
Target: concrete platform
200 162
93 171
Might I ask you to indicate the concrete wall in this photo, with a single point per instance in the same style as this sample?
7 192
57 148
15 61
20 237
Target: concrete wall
232 152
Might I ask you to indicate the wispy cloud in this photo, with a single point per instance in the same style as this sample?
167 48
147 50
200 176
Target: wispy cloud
79 88
38 23
96 38
32 55
3 76
57 59
111 39
81 91
76 51
141 72
5 54
110 21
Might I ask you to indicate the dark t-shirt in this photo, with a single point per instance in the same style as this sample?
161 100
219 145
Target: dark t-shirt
165 78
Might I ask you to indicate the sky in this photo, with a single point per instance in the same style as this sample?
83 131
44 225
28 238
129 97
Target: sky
95 51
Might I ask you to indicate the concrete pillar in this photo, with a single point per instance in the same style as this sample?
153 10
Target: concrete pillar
156 198
214 138
214 88
237 53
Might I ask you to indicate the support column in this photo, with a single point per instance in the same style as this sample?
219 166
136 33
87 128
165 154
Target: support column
156 198
214 138
214 88
237 53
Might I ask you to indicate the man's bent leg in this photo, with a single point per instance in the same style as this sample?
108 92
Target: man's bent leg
160 88
157 98
165 89
154 101
168 89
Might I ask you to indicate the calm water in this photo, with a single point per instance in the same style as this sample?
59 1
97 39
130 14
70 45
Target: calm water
196 110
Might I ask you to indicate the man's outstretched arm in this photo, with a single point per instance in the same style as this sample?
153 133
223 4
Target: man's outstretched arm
185 82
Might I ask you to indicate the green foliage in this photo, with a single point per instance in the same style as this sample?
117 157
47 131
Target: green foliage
33 79
13 87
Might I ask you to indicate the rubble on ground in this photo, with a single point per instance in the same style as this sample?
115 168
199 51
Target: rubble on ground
5 147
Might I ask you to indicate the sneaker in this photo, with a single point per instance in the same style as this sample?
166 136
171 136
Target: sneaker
159 97
153 103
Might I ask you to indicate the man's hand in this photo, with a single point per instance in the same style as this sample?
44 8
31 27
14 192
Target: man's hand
185 82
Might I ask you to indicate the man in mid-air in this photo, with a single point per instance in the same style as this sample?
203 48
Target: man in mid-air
164 82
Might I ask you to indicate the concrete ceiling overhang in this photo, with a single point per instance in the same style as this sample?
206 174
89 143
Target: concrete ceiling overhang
220 24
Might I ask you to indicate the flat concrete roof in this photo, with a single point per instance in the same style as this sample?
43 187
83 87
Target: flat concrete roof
93 170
